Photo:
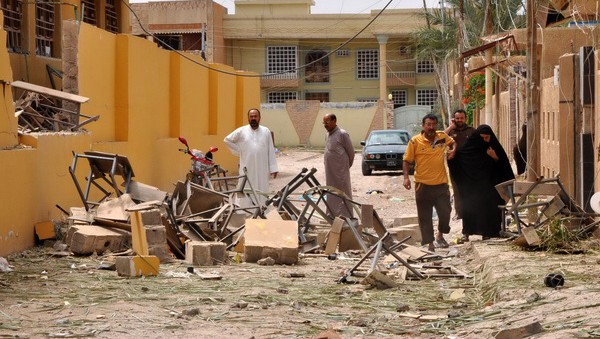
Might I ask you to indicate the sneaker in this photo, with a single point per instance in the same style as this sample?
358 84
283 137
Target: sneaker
441 243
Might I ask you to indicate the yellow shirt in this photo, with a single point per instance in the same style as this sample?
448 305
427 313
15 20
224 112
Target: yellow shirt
428 157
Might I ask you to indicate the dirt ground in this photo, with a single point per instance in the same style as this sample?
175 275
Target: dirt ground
50 295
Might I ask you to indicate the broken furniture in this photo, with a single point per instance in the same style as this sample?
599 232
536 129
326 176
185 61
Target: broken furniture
543 199
104 170
45 109
282 201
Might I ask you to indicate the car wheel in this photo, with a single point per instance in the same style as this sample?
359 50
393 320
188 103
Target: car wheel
366 170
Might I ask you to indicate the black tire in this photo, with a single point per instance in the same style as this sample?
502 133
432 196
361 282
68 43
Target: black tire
366 171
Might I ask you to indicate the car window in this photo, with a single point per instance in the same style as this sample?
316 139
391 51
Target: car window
383 138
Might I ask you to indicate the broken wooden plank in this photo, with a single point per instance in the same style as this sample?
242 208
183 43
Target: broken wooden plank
379 281
143 192
334 235
413 252
531 236
520 332
521 187
49 91
366 215
138 234
115 209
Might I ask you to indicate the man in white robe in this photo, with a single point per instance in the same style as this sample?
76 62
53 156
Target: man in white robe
339 156
254 145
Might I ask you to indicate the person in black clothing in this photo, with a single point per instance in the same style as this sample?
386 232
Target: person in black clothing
460 132
478 166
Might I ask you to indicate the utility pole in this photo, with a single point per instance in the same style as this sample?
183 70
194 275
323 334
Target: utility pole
532 95
461 49
489 86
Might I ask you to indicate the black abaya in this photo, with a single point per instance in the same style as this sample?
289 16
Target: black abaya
476 174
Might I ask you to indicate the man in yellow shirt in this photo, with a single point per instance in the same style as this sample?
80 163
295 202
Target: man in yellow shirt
427 151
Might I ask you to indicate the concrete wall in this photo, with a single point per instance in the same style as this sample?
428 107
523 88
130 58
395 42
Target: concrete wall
301 122
145 97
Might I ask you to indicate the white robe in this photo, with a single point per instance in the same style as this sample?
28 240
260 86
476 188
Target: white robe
257 154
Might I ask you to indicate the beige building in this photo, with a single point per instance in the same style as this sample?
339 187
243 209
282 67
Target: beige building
193 26
328 57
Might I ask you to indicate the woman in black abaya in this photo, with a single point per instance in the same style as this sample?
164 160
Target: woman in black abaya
477 167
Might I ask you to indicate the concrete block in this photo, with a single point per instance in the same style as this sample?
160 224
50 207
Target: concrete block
161 251
156 235
402 232
205 253
277 239
85 240
137 266
406 220
151 217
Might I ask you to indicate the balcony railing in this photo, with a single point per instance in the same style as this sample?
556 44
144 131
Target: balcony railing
401 74
282 76
402 78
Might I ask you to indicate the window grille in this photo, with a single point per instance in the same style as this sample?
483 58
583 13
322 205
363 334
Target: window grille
342 53
13 21
427 97
112 22
89 11
321 96
281 97
425 66
399 98
44 29
367 64
281 59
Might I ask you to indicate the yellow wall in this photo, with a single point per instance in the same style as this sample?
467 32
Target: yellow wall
145 97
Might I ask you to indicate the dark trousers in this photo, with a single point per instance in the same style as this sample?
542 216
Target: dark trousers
457 200
428 197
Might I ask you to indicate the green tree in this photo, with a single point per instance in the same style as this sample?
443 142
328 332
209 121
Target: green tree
439 41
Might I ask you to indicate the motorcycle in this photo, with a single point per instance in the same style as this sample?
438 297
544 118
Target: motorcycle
202 166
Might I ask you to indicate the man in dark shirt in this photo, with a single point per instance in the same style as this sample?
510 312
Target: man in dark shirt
460 132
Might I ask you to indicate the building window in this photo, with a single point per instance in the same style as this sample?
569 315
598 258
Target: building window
89 11
13 20
281 59
399 98
281 97
425 66
44 29
427 97
321 96
342 53
317 69
170 42
367 64
110 14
